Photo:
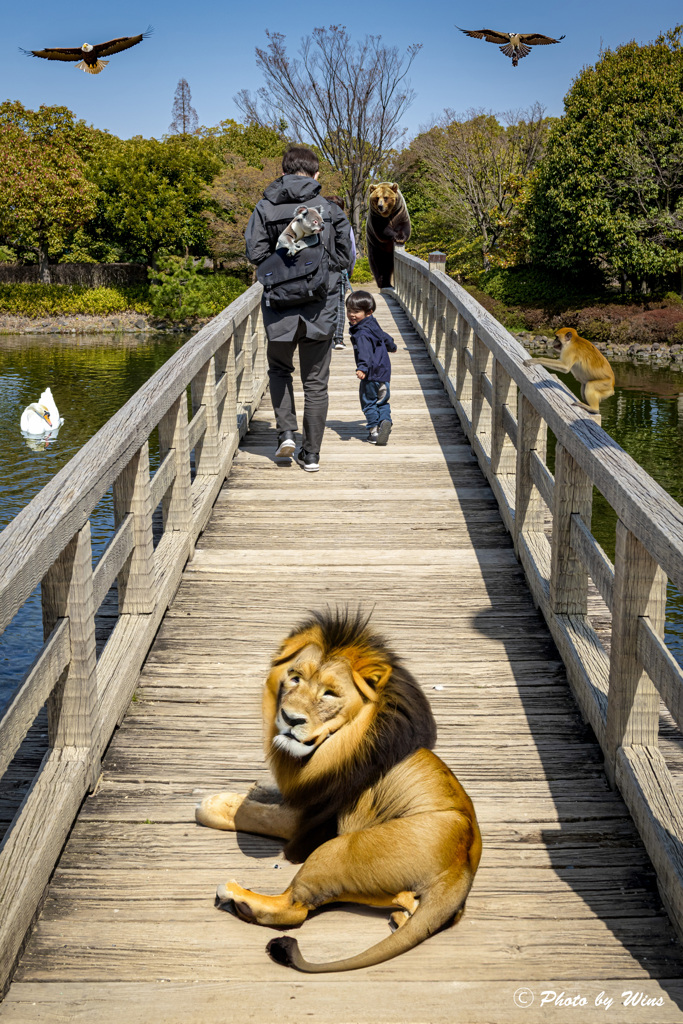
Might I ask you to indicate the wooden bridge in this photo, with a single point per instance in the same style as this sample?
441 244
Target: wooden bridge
480 567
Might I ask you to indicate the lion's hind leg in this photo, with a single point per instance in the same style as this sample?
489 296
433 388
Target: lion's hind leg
408 903
280 911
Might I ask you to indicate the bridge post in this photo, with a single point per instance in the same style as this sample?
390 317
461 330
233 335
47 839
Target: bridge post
481 411
463 382
173 434
529 505
504 396
247 383
203 388
228 426
572 495
72 707
133 496
437 304
632 700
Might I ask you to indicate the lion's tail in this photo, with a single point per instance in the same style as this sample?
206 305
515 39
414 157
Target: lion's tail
437 907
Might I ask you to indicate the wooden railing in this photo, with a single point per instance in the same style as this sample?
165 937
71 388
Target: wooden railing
49 544
505 410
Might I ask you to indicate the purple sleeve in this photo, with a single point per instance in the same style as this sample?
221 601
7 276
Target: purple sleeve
353 253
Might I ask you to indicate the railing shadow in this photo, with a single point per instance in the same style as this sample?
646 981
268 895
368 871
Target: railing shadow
594 849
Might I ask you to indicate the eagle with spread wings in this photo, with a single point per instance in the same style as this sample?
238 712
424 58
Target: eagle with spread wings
514 44
90 56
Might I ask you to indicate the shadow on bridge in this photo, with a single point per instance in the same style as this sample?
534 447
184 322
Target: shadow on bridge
545 794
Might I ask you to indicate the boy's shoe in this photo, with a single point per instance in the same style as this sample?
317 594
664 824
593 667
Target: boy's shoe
383 432
308 461
286 445
339 344
372 435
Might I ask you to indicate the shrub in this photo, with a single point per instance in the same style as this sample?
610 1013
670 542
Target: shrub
361 272
535 286
35 300
180 290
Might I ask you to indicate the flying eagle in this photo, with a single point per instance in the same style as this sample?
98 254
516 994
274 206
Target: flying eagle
516 44
91 54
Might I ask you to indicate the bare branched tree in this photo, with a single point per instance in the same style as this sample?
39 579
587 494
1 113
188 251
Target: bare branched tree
346 98
185 120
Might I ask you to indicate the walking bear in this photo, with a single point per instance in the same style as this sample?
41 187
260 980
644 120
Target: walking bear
388 225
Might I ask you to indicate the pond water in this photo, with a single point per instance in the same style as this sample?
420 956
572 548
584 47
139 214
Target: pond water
644 416
91 377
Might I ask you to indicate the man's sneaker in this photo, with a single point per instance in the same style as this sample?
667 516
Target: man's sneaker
286 446
308 461
339 344
372 435
383 432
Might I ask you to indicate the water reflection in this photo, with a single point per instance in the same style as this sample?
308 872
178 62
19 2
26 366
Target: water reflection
91 377
644 416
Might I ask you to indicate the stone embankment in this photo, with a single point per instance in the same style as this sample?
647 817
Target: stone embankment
116 323
657 353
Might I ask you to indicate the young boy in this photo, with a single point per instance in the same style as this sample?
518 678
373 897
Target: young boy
370 347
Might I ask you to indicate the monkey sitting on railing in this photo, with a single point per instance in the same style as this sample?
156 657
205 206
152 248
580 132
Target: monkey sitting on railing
582 359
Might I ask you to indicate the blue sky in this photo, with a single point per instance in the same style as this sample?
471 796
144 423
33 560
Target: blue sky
212 45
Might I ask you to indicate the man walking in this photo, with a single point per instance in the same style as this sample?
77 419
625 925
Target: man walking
309 326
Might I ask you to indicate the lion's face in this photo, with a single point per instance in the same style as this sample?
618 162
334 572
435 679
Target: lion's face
384 197
315 698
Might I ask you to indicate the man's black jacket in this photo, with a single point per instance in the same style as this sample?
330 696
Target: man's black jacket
273 213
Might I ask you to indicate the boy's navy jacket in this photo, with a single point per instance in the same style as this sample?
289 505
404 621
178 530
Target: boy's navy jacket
370 345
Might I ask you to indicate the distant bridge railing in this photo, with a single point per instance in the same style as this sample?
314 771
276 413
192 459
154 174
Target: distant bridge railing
49 543
505 409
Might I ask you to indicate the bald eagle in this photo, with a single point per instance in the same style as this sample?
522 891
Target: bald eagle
516 44
90 54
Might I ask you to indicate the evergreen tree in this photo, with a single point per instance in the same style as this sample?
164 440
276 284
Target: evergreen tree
185 120
609 192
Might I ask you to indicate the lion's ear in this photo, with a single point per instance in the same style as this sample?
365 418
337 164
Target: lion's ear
371 679
293 644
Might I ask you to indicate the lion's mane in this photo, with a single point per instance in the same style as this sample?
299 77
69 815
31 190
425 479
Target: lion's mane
357 757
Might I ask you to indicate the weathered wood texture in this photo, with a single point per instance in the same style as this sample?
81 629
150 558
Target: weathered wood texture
565 899
85 682
617 682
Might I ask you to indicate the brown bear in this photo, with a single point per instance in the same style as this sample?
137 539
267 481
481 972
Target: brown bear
388 225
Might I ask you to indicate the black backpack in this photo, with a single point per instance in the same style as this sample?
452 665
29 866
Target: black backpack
295 280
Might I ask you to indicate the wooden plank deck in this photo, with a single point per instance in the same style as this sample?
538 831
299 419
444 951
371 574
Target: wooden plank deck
565 899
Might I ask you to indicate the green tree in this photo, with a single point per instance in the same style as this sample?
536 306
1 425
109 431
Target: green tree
151 196
609 192
474 171
44 193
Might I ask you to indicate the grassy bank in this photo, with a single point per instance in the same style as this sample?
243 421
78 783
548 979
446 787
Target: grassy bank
171 299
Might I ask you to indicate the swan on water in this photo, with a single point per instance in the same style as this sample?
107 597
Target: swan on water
41 417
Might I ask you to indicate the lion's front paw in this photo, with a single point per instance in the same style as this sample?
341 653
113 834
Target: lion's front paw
219 810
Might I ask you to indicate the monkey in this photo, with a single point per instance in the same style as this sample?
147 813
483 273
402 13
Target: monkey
581 358
308 220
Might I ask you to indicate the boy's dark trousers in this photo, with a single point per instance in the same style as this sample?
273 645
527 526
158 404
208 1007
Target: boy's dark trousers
314 366
375 411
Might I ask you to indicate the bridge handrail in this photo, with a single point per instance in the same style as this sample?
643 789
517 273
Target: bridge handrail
505 409
48 543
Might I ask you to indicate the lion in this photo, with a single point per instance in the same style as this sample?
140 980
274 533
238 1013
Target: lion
376 817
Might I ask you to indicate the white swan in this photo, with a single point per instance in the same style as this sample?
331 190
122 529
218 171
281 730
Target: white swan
41 417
